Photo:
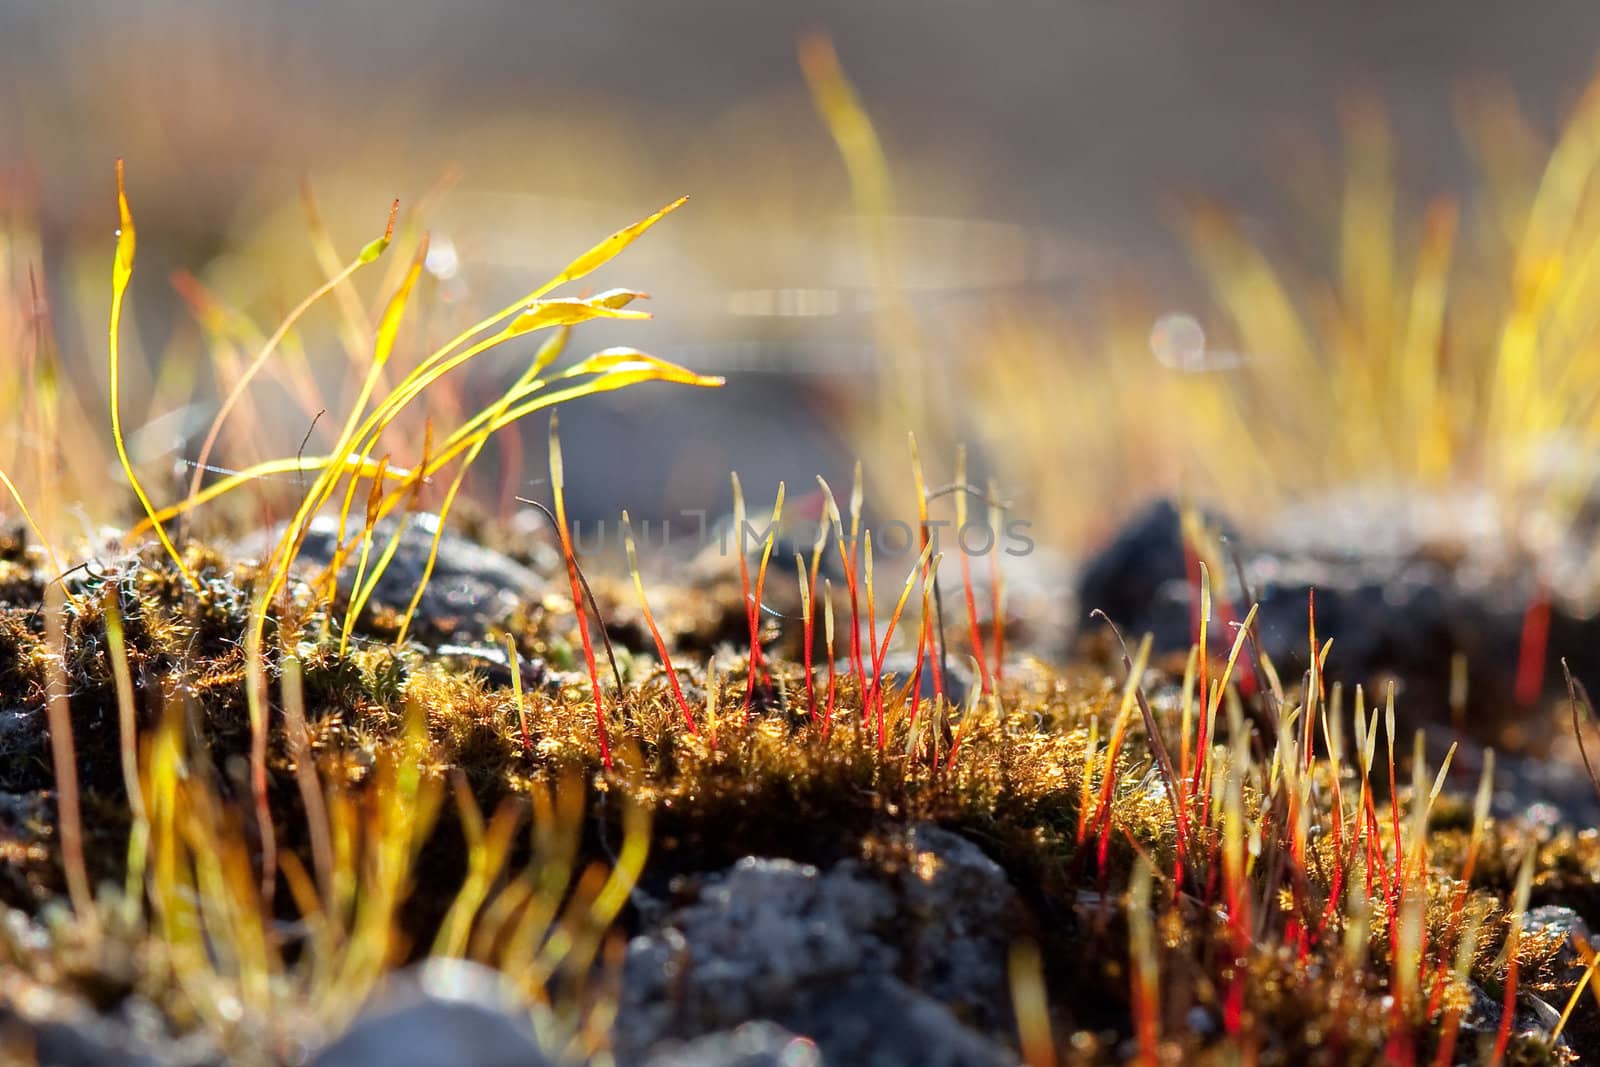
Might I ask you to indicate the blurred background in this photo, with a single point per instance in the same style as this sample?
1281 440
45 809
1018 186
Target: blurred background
1037 266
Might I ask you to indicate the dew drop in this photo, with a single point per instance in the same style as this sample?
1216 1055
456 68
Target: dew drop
1179 341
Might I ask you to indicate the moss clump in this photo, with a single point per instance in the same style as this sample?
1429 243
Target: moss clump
1313 980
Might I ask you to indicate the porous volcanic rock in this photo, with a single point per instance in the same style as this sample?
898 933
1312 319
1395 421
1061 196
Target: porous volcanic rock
875 964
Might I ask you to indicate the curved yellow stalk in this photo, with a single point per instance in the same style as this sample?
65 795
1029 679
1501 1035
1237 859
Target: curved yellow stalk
121 272
268 469
548 352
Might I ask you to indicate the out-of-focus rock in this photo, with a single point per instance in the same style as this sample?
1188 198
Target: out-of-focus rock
471 588
755 1044
1403 581
899 666
51 1028
24 741
1480 1025
1545 792
875 1020
441 1011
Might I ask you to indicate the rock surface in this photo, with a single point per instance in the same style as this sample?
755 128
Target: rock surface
442 1011
899 666
1480 1026
1403 583
97 1022
757 1044
1546 792
80 1038
471 587
873 965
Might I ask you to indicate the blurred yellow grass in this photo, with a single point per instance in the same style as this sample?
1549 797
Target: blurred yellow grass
1433 348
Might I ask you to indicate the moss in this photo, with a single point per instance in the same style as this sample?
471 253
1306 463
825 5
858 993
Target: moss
783 785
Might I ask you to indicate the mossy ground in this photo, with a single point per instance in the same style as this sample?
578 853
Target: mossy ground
779 782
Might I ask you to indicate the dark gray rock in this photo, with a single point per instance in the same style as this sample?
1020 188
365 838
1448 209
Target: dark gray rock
834 955
24 746
1480 1026
62 1031
471 588
492 662
1403 582
1140 578
1555 920
80 1040
26 813
441 1011
1544 792
878 1021
27 821
20 729
962 912
898 667
755 1044
759 935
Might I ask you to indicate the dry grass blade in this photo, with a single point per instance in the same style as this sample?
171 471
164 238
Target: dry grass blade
307 779
1575 691
128 741
64 758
